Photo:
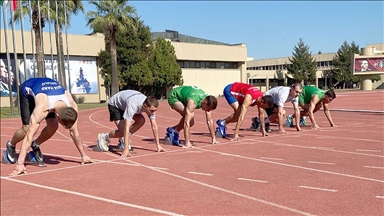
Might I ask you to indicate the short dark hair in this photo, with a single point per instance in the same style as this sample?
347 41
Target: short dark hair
331 93
67 116
268 99
151 101
211 101
297 84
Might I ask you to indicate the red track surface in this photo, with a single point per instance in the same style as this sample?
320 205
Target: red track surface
333 171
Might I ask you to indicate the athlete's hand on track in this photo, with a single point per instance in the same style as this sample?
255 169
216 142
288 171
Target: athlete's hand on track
85 159
315 127
19 169
282 131
125 153
236 138
160 149
214 141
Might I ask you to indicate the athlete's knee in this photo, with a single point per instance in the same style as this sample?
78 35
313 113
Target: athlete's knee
192 122
25 128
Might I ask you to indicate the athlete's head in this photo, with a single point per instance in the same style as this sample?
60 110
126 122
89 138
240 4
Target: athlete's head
150 105
209 103
296 89
266 102
329 96
67 116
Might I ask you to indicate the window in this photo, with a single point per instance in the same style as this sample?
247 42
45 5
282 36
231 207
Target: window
186 64
197 65
181 64
192 64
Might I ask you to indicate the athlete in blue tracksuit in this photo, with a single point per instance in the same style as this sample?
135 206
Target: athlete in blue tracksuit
43 98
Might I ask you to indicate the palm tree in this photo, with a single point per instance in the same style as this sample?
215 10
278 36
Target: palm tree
112 16
36 22
60 19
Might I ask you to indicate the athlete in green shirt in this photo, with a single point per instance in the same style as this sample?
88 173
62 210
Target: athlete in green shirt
310 100
184 100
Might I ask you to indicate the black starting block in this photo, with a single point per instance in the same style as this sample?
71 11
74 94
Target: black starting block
30 159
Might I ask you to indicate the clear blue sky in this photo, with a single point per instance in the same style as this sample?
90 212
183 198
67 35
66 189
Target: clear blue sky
269 29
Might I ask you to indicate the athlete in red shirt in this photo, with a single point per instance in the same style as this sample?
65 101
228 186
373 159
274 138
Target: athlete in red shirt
240 96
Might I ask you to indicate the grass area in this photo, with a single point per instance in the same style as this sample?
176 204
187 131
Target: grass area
5 112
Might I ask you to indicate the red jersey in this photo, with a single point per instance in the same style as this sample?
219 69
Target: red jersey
240 90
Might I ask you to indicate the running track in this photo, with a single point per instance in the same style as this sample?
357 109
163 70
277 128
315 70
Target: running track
333 171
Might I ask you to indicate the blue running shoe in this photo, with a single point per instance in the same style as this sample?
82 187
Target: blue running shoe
173 136
221 128
303 122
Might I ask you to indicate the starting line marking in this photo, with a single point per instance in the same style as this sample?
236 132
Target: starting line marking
198 173
252 180
380 197
373 167
368 150
159 211
315 188
268 158
316 162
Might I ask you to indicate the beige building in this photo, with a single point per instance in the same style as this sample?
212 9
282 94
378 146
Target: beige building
210 65
268 73
83 51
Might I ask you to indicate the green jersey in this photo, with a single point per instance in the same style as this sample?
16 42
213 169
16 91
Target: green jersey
308 92
185 93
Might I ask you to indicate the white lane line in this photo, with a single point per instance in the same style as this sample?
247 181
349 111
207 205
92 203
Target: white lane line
252 180
159 168
158 211
315 188
198 173
368 150
269 158
226 154
317 162
373 167
323 148
380 197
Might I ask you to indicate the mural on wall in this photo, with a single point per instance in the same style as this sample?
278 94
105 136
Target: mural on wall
6 74
369 64
82 71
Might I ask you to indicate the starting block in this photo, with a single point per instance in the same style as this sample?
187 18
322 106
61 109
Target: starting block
167 141
218 134
30 159
118 148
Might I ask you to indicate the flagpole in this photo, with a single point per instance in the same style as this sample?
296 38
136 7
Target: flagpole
17 73
5 4
32 41
50 38
23 44
58 51
66 40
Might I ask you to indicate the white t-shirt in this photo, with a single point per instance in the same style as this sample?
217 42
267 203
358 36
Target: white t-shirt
281 96
130 101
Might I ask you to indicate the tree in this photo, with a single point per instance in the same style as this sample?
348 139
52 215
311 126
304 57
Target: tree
163 63
302 65
36 22
112 16
60 19
133 50
342 64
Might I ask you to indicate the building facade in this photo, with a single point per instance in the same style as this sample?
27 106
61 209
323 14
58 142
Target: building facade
81 69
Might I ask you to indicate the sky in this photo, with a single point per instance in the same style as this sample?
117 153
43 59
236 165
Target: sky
270 29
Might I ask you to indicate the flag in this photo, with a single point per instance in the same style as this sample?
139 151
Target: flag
4 3
14 5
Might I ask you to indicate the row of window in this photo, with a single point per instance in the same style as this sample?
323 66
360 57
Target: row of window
210 64
320 64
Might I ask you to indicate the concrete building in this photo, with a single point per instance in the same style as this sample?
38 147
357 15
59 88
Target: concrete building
208 64
268 73
82 63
